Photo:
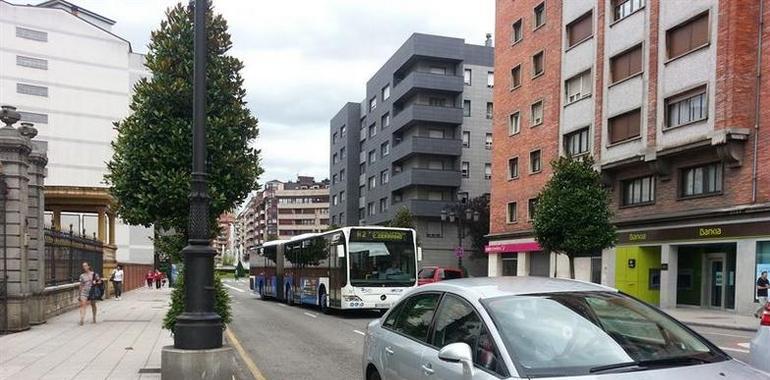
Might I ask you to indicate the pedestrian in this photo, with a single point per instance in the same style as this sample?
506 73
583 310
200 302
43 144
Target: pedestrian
762 285
117 281
156 278
163 279
149 277
90 291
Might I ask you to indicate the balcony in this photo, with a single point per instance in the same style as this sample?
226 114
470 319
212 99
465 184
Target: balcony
426 145
417 81
424 113
425 177
420 207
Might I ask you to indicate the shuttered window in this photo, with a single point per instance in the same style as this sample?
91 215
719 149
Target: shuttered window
687 107
578 87
626 64
624 127
580 29
34 63
688 36
28 89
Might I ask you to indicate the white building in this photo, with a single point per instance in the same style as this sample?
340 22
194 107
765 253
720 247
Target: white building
67 73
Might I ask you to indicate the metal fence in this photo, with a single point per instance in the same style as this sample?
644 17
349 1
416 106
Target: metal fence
64 254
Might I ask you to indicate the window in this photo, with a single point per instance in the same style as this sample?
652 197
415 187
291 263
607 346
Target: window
537 64
488 141
372 182
626 64
463 197
625 127
335 200
385 121
342 196
516 33
386 92
516 77
334 219
490 110
434 230
535 166
372 103
28 89
487 171
334 138
343 131
576 143
466 139
437 70
342 153
437 102
38 118
385 148
539 15
467 76
466 108
490 79
514 123
531 208
580 29
702 180
383 204
342 175
537 113
384 176
370 209
372 130
578 87
688 36
624 8
334 179
510 216
436 133
513 168
31 34
687 107
638 191
415 317
335 159
34 63
465 169
372 156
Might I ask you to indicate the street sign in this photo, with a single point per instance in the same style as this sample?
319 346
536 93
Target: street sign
459 252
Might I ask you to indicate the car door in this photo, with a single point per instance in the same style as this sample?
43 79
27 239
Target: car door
457 321
404 340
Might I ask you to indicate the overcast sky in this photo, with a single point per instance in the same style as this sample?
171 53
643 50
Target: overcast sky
305 59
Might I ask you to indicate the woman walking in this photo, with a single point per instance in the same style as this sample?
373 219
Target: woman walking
117 281
90 291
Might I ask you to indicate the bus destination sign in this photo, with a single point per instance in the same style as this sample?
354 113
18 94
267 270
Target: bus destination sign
380 235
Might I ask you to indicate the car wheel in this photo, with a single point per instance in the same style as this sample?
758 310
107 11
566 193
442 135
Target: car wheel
373 375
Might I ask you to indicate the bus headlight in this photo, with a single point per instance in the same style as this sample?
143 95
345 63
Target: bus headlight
352 298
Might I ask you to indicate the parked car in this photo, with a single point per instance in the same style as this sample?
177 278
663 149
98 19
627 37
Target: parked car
760 344
530 327
429 275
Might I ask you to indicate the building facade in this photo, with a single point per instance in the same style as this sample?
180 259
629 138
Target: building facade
224 243
283 210
421 139
670 99
67 73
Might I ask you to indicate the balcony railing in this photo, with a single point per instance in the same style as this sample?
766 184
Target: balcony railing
425 177
415 113
426 145
417 80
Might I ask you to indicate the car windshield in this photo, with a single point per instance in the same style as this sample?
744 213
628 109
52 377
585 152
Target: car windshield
572 334
388 262
426 273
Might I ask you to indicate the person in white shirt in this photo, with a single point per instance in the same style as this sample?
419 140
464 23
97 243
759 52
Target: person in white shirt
117 281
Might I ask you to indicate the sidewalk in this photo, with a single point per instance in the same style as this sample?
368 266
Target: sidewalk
713 318
125 343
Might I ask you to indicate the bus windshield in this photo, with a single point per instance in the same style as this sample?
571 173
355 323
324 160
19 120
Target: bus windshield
382 258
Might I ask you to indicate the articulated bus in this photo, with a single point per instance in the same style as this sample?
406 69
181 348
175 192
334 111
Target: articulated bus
346 268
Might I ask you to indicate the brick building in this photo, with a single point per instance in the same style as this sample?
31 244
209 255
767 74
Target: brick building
670 100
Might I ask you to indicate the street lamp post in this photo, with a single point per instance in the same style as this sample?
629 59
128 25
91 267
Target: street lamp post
199 327
461 220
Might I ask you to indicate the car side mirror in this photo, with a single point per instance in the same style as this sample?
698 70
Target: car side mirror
459 353
419 253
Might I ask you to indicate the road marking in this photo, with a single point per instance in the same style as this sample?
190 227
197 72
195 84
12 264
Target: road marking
745 345
359 332
723 334
283 305
735 350
244 355
234 288
311 315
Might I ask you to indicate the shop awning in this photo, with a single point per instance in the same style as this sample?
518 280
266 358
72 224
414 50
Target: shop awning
513 247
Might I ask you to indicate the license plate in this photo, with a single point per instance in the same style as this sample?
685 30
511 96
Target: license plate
382 305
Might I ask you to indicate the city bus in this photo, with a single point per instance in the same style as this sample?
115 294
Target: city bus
343 269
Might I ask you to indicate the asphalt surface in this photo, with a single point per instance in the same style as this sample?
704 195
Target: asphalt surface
293 342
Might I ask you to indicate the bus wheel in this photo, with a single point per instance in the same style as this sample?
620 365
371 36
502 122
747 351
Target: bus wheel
323 302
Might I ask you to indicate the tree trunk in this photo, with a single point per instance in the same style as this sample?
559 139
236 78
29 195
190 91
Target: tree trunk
571 266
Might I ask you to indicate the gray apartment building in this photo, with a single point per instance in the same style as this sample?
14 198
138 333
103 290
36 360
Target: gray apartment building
421 139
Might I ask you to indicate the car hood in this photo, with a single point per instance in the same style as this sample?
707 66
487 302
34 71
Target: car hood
725 370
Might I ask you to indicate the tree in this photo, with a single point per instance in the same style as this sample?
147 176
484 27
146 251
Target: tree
402 219
149 173
478 230
221 303
573 211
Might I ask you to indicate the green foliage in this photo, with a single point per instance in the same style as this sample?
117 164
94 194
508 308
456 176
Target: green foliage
402 219
332 227
228 260
221 303
478 230
149 173
573 211
169 246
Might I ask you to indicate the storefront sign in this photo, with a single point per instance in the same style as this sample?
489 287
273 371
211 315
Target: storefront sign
696 233
513 248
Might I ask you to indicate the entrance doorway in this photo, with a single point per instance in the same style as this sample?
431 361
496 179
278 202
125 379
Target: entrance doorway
715 283
706 275
510 265
539 264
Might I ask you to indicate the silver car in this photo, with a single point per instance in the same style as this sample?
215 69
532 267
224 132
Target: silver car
530 327
760 345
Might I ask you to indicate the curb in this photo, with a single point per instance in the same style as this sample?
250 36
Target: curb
718 326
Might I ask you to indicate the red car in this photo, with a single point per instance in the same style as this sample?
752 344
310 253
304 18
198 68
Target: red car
429 275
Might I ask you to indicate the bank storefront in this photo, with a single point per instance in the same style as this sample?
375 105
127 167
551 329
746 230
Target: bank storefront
710 266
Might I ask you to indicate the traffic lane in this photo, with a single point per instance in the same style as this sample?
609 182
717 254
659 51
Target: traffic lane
296 342
733 342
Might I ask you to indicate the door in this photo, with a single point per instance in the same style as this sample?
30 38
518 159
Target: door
510 267
539 264
715 269
405 340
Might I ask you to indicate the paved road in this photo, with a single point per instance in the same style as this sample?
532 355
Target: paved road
301 343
